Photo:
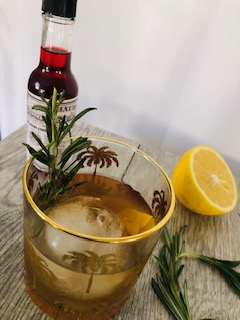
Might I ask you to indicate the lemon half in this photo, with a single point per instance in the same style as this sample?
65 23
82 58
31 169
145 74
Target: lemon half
204 183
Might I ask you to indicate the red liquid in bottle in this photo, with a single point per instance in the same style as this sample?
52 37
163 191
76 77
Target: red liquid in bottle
53 72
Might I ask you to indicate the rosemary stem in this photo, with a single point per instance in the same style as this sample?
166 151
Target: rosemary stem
54 147
189 255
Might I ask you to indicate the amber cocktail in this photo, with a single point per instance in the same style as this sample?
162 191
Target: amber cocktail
84 253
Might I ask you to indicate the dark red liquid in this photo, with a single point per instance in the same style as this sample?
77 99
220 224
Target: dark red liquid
53 72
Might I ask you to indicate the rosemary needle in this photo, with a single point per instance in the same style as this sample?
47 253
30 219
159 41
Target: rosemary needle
167 285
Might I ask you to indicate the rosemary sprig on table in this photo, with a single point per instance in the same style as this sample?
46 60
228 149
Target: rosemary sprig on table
167 285
60 168
225 267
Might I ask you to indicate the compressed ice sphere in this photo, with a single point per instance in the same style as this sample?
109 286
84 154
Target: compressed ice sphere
83 215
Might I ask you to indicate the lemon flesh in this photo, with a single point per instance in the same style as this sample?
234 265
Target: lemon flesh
204 183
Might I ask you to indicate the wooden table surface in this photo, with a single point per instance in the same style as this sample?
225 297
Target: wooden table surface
209 295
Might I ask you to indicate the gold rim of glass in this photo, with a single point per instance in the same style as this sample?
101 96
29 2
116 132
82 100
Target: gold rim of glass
125 239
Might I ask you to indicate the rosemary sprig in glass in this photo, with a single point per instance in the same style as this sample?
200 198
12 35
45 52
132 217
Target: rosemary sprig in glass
61 169
167 285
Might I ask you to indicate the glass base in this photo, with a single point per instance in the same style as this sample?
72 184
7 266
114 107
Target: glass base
58 313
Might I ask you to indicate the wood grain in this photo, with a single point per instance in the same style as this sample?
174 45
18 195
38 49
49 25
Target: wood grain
217 236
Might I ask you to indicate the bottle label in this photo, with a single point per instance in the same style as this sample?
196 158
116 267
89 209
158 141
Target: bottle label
36 123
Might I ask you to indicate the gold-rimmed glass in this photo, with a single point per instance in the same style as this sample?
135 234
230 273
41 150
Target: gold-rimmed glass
85 267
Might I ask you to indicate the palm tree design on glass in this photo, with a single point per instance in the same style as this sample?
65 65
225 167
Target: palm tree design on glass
37 263
99 157
90 261
159 205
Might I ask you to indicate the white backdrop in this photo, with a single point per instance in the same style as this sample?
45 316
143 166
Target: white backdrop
164 72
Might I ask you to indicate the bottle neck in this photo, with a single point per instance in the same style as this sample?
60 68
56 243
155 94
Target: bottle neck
57 40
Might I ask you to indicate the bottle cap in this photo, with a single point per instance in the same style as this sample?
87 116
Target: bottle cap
60 8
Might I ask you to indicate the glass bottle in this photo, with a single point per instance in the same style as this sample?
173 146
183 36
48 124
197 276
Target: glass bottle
54 69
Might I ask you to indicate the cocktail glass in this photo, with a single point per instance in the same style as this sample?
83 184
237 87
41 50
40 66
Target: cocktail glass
84 255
